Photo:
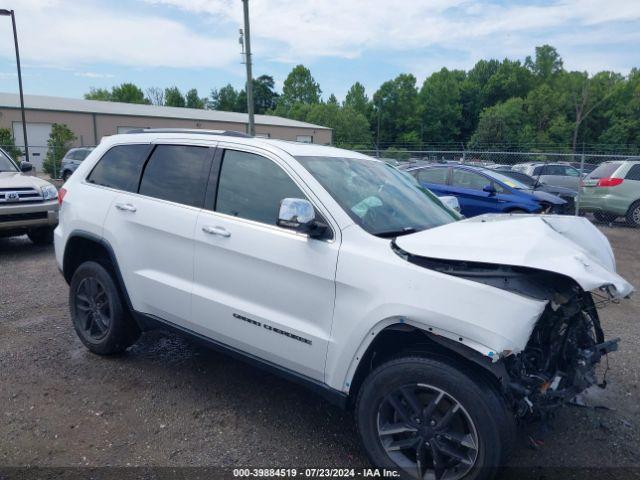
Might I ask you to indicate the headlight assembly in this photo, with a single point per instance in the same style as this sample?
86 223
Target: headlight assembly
49 192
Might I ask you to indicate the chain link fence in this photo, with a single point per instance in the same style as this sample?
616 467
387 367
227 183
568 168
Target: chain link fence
600 202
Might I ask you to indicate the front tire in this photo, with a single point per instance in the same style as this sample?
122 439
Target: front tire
41 236
604 217
424 417
66 175
99 315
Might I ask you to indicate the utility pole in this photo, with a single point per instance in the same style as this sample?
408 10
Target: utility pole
7 13
378 133
247 54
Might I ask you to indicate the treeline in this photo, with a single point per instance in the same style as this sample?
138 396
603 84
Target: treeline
508 104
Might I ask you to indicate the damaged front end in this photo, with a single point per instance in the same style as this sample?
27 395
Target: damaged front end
560 359
565 345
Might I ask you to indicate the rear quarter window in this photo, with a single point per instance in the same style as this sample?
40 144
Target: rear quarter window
120 167
605 170
633 173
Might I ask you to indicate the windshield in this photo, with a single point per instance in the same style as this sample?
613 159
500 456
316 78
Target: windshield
6 165
511 182
530 182
377 196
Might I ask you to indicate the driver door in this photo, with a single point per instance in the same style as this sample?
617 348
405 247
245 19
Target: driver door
260 288
468 186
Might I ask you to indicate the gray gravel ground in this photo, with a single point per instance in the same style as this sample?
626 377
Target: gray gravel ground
170 402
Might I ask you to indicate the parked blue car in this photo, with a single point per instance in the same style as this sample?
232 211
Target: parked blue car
480 190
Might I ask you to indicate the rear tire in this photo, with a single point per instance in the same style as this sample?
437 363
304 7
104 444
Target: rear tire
41 236
472 445
633 215
99 315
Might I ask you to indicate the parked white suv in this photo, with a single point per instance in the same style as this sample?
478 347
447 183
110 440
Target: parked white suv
337 271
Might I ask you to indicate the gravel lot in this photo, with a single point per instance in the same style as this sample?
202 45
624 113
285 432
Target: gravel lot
169 402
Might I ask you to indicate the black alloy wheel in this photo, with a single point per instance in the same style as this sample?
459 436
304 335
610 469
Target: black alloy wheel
93 309
427 432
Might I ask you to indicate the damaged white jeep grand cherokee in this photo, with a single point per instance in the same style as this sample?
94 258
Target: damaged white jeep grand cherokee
334 269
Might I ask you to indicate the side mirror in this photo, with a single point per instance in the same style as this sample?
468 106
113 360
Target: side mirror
26 166
299 215
490 189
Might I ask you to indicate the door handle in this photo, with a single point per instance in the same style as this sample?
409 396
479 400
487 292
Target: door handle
126 207
219 231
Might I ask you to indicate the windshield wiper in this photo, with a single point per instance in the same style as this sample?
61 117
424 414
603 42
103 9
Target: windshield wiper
395 233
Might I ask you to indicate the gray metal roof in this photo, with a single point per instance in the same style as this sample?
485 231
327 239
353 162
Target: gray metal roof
42 102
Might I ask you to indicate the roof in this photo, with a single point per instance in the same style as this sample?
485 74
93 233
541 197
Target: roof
292 148
61 104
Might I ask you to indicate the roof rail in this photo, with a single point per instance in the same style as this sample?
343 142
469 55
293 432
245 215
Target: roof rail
228 133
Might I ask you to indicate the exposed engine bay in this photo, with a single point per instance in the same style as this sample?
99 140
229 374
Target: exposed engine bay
560 358
567 342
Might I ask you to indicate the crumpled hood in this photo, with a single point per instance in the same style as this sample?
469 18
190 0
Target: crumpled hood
18 180
546 197
567 245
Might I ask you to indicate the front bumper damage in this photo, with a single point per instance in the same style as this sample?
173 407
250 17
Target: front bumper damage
558 363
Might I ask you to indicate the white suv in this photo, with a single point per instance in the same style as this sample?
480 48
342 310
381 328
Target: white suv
334 269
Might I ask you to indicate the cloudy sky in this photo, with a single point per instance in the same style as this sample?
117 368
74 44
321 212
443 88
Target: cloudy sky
68 46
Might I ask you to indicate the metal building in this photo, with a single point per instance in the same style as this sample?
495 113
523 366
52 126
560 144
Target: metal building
90 120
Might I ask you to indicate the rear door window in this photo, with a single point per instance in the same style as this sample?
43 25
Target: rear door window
177 173
120 167
605 170
433 175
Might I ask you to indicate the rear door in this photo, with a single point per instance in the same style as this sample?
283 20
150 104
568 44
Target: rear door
260 288
151 229
561 176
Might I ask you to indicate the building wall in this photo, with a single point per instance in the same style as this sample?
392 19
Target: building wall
82 125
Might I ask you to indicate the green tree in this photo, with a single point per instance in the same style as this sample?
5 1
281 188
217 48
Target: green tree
299 87
440 106
173 97
511 79
585 95
8 144
547 63
622 130
128 93
501 125
102 94
395 107
264 96
193 100
332 100
357 99
225 99
125 92
350 128
60 140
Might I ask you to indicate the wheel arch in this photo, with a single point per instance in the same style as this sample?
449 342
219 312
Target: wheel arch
82 246
403 339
